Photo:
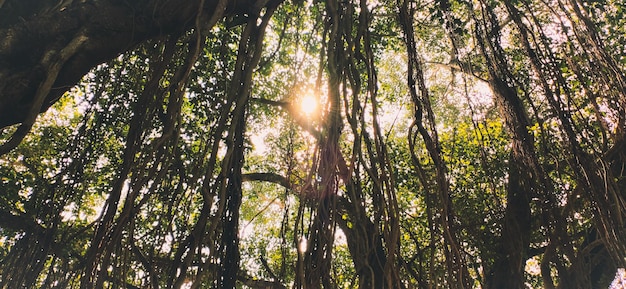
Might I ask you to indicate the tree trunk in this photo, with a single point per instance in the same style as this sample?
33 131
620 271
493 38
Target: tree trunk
526 177
508 268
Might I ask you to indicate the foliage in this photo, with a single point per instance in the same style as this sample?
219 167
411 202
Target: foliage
456 144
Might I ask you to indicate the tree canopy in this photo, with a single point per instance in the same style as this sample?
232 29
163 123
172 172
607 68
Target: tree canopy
312 144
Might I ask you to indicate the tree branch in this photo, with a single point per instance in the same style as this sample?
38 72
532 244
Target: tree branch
31 29
20 223
268 177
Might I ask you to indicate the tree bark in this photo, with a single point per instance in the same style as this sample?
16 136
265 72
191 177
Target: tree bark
508 268
526 177
33 33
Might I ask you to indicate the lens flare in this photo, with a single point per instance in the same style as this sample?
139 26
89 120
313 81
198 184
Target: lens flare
308 104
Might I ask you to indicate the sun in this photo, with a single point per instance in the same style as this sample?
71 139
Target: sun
308 104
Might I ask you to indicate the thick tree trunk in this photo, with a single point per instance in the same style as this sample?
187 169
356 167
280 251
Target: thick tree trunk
508 268
365 242
526 177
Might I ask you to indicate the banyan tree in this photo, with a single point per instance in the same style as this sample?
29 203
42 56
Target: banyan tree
312 144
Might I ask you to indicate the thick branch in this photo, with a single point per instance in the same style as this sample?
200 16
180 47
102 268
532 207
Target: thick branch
20 223
258 284
268 177
31 30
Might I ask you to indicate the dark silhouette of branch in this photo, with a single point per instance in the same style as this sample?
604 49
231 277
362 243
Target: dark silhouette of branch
268 177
